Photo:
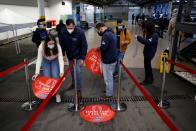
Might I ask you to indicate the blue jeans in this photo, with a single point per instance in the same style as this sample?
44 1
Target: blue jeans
78 73
120 57
51 68
108 70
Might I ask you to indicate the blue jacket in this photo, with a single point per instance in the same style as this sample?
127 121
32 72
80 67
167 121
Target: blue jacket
109 51
75 44
150 45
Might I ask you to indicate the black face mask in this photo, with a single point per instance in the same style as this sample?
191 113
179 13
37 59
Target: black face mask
100 33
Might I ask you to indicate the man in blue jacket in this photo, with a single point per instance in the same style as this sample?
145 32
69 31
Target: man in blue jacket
109 56
73 42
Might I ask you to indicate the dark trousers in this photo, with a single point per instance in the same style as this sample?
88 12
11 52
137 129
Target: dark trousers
148 69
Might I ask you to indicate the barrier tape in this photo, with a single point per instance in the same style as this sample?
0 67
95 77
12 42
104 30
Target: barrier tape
163 116
182 67
36 113
11 69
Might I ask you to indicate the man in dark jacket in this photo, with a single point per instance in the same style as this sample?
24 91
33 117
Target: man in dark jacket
109 55
59 27
150 48
39 34
73 42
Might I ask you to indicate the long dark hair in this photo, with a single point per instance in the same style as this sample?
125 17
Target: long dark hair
150 29
46 49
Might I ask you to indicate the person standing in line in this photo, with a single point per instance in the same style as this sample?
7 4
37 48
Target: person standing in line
39 34
73 42
123 40
51 58
109 56
150 47
59 27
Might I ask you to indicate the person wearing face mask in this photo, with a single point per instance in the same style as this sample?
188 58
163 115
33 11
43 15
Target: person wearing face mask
150 47
73 42
109 56
51 58
123 40
39 34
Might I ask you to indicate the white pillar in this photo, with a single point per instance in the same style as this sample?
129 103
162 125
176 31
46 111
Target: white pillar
41 7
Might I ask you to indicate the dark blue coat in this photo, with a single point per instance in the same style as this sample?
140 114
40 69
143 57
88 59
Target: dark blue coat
109 51
75 44
150 45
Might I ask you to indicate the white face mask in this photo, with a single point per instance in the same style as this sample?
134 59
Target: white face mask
51 46
41 26
70 31
120 27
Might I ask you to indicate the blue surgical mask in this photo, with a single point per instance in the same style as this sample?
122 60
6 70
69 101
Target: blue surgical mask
51 46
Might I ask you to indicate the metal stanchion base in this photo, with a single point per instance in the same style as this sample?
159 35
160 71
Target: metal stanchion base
72 107
121 107
164 104
29 106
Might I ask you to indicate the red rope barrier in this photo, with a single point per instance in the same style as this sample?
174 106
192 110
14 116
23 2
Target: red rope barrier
43 104
182 66
11 69
163 116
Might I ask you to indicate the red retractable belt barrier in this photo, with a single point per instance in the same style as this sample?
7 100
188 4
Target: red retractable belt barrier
163 116
183 67
11 69
43 104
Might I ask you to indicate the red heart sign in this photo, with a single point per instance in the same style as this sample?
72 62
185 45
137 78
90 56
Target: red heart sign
93 61
97 113
43 85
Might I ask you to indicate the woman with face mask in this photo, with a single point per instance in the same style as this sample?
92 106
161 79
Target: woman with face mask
51 58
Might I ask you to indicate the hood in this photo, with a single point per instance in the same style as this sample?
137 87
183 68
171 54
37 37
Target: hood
109 29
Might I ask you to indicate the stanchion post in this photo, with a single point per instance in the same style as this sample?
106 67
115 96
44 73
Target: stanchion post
30 105
163 103
120 106
75 107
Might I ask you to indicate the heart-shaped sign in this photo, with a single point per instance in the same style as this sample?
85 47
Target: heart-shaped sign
97 113
93 61
42 86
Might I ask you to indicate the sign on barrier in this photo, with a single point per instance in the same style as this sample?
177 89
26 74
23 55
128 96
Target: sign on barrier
93 61
97 113
42 86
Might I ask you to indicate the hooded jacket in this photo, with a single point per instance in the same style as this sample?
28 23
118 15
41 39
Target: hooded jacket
109 51
75 44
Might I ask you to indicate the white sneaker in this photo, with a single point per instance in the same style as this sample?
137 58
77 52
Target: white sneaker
58 98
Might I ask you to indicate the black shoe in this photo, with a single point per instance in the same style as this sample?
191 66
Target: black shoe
144 82
115 75
71 87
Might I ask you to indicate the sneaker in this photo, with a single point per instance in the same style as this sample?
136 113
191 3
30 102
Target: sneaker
58 98
144 83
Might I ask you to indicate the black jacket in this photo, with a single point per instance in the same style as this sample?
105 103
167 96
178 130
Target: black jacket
150 45
59 27
109 51
75 44
38 36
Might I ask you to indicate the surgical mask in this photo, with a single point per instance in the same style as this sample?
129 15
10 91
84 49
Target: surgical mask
41 26
51 46
70 31
120 27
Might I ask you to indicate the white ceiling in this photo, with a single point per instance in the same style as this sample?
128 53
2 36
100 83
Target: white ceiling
21 2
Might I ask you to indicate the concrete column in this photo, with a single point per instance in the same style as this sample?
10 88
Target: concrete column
41 7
